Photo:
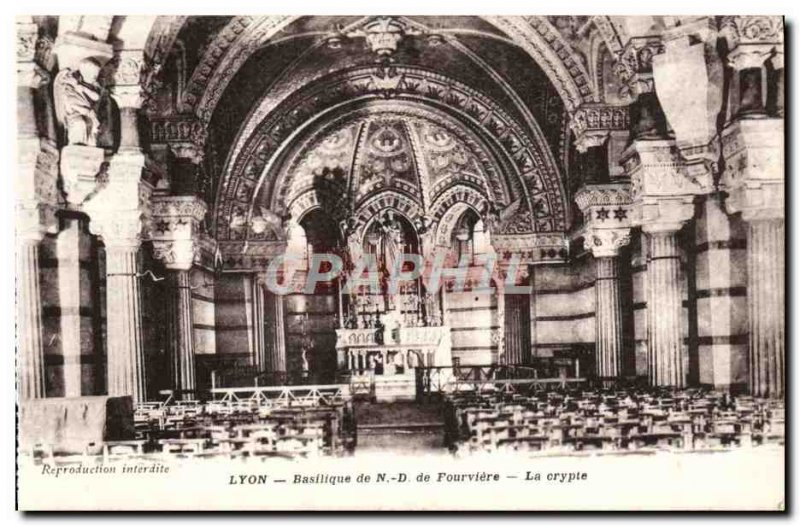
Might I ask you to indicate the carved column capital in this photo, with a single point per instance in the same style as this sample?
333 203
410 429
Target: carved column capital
118 209
593 123
663 191
27 36
36 189
634 66
127 97
185 135
177 229
754 173
81 168
752 39
606 210
125 78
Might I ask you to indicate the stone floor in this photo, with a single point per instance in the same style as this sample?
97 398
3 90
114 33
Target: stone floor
402 427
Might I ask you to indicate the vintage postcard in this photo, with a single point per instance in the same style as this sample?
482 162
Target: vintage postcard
400 262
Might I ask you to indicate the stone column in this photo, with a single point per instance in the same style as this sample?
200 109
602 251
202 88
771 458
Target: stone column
260 358
277 336
666 366
117 212
606 209
663 201
753 149
175 233
35 204
181 336
608 321
754 42
29 319
765 309
126 374
754 181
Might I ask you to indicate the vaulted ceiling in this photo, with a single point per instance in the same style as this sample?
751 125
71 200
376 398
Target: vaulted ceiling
253 87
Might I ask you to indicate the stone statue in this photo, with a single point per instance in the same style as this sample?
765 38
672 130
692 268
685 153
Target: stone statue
76 93
391 242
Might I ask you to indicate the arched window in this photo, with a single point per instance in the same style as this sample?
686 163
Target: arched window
470 236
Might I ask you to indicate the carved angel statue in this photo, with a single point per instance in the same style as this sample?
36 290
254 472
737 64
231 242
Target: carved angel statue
76 93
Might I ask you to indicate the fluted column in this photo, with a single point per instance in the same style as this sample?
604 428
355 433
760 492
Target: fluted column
608 321
117 212
181 335
766 297
260 358
178 242
606 209
126 375
666 366
277 347
29 321
663 201
753 148
35 200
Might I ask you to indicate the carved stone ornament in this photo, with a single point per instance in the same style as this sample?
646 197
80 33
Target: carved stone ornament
592 124
606 242
127 67
118 209
36 189
384 34
752 39
755 169
175 229
663 191
634 66
76 93
27 36
185 135
81 171
607 217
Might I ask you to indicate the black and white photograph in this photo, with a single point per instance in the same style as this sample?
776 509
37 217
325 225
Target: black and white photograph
400 262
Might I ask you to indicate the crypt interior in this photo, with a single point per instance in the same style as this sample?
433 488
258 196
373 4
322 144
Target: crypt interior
632 167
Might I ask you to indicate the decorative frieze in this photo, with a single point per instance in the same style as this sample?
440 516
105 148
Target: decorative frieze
185 135
592 124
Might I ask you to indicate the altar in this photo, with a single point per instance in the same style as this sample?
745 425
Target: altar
382 358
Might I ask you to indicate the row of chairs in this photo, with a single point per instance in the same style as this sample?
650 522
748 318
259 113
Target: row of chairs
227 429
610 420
241 428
